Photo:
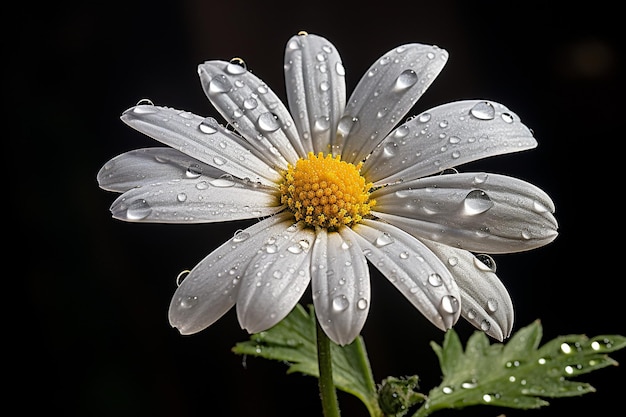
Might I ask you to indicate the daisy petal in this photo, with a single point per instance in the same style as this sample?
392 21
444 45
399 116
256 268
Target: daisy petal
385 95
275 278
210 289
151 165
201 138
196 201
485 302
316 89
340 284
419 275
447 136
253 109
474 211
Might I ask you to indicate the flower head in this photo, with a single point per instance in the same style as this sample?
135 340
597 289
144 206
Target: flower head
336 183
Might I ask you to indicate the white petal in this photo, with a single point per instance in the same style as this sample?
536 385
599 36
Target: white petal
419 275
447 136
341 285
384 95
210 289
253 109
151 165
474 211
485 301
196 201
201 138
316 89
275 278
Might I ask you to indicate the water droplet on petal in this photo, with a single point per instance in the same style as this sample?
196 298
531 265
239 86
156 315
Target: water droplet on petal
268 122
492 305
485 325
405 80
435 280
340 303
346 125
424 117
362 304
484 262
483 111
219 84
240 236
181 197
194 171
188 302
138 209
250 103
476 202
236 66
209 125
321 124
449 304
383 240
507 117
145 102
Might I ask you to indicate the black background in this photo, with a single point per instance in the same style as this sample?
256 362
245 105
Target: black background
88 295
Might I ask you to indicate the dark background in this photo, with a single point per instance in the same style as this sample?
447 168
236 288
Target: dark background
89 327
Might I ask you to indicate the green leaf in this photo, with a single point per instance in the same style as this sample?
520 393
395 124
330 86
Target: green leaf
518 374
293 341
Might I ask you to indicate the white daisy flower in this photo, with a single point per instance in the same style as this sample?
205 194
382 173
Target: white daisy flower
336 183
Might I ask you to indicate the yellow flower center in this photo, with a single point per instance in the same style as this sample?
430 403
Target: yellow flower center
327 192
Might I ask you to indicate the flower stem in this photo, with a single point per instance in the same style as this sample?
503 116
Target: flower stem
328 394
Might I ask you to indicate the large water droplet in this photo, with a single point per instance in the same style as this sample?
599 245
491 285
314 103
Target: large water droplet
240 236
449 304
194 171
485 262
222 182
340 303
236 66
346 125
405 80
188 302
435 280
362 304
383 240
138 209
209 125
476 202
219 84
268 122
483 111
321 124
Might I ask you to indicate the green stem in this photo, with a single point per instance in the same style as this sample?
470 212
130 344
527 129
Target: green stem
328 394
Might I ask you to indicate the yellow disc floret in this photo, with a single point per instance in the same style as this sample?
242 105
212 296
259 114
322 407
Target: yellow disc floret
327 192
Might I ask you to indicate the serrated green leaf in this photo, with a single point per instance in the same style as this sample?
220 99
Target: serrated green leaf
293 342
518 374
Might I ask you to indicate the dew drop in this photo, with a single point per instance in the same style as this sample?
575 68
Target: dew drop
404 255
194 171
145 102
383 240
405 80
507 117
240 236
236 66
471 314
424 117
277 274
219 84
209 126
485 325
492 305
346 125
222 182
138 209
188 302
483 111
181 197
484 262
469 384
476 202
435 280
250 103
447 390
217 160
362 304
321 124
449 304
339 68
340 303
401 132
268 122
202 185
